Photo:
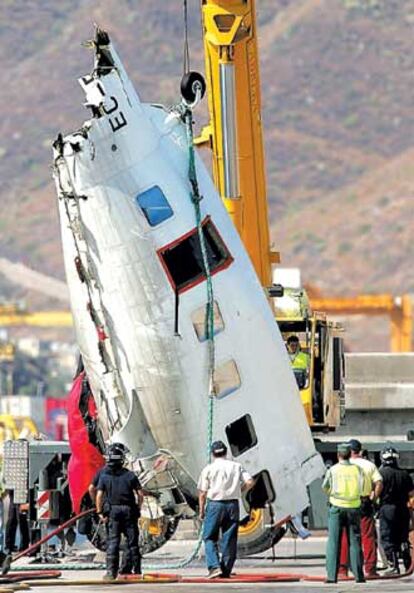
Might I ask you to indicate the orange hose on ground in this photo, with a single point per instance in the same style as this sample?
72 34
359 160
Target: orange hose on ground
16 577
154 575
47 537
258 578
408 573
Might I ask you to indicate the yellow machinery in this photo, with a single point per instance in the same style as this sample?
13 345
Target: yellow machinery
7 351
15 427
321 385
235 130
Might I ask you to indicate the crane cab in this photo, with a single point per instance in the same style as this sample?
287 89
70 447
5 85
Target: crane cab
317 362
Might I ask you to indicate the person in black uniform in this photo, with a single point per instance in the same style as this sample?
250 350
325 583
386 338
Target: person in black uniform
123 494
126 565
16 517
394 515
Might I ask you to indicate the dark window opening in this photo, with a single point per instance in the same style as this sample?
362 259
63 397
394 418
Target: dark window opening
183 259
337 364
262 492
241 435
154 205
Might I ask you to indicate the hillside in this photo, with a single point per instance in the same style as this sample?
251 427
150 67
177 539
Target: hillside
337 105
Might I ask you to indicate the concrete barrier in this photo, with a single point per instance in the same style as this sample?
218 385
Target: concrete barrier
379 394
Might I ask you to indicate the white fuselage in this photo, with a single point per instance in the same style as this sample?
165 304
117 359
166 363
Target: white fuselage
154 391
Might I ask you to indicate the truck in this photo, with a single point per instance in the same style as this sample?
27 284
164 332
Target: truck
321 385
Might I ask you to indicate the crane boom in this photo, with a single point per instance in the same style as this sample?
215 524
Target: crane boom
235 130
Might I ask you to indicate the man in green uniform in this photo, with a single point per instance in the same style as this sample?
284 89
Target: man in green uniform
344 484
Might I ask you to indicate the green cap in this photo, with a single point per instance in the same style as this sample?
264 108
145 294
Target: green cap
343 448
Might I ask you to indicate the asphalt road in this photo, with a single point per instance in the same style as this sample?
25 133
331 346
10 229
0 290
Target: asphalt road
292 558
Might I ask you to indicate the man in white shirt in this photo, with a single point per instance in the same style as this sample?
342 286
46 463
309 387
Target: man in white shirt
220 486
371 491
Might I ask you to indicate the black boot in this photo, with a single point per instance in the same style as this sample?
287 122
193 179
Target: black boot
393 565
136 560
406 555
112 565
126 562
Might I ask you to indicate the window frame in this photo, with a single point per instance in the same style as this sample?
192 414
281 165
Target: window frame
201 278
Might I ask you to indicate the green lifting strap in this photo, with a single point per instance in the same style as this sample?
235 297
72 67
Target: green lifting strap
209 317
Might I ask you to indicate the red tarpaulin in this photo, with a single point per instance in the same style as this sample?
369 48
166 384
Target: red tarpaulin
85 459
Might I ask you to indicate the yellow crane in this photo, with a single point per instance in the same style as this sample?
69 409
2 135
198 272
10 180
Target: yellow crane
235 137
12 315
399 309
235 129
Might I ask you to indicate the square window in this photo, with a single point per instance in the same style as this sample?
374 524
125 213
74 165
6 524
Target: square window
154 205
226 379
183 261
241 435
199 321
262 492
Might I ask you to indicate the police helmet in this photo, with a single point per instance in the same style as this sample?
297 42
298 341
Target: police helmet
389 455
116 453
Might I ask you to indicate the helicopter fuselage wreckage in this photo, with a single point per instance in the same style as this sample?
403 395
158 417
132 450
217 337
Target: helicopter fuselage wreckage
176 335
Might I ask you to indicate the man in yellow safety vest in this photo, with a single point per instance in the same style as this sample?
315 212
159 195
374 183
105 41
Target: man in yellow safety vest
298 359
344 483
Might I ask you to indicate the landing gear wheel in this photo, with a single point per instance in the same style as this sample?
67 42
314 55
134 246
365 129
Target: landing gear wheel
191 82
256 536
153 533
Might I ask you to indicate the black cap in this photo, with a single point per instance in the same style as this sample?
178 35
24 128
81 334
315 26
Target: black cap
218 448
355 445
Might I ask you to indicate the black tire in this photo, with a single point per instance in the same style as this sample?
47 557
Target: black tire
256 535
266 540
189 83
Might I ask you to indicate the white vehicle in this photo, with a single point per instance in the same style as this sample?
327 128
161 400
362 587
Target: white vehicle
138 288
